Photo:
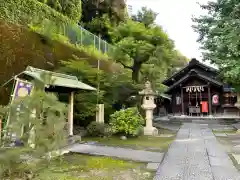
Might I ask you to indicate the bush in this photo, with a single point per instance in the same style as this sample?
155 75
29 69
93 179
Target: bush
24 12
96 129
128 122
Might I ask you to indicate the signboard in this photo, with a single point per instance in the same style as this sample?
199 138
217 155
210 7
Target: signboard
178 100
22 89
215 99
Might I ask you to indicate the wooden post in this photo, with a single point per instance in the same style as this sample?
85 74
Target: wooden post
0 132
209 100
70 114
182 102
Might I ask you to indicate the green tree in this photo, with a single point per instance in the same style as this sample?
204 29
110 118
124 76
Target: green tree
145 16
99 17
115 89
219 35
178 62
138 45
115 9
100 26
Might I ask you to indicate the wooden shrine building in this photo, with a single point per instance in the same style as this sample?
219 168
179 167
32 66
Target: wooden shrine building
197 90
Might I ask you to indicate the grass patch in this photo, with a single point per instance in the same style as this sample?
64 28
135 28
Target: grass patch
150 143
165 131
225 131
79 167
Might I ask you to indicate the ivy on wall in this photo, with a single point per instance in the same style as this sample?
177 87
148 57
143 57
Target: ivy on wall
26 11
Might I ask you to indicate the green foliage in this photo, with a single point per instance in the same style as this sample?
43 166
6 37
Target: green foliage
27 11
139 46
40 121
96 129
178 61
115 9
100 26
145 16
82 40
127 121
115 88
70 8
219 32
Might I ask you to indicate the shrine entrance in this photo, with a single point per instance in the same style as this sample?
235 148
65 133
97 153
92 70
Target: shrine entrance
198 101
196 90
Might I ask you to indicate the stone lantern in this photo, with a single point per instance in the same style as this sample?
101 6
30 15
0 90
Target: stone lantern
148 105
237 104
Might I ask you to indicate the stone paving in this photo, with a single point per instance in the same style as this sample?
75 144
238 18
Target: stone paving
196 155
122 153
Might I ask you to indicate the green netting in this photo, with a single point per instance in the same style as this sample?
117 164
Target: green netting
75 34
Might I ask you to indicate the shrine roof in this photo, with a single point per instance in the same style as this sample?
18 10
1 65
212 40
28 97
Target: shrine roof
191 65
195 73
59 79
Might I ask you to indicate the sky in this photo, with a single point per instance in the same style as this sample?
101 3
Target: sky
175 18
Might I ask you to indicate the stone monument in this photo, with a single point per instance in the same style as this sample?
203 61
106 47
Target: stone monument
148 105
100 113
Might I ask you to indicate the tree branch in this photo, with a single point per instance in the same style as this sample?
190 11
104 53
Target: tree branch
125 66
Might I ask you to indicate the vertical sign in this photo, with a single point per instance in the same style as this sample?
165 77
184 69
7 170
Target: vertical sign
215 99
22 89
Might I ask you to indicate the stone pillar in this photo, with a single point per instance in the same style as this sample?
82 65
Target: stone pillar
100 113
70 114
148 105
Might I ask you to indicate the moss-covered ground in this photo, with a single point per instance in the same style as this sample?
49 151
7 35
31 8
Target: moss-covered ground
158 143
81 167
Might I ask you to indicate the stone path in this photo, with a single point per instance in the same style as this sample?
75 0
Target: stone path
123 153
196 155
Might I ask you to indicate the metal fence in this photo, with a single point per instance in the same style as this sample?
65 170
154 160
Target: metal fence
76 35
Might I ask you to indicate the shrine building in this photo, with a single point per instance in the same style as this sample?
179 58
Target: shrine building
197 90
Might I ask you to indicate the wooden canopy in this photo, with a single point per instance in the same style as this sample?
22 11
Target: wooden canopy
196 74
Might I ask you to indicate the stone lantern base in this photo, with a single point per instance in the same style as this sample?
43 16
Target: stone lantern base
150 131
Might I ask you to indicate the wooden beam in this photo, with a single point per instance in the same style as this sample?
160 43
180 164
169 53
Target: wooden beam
182 101
70 114
209 100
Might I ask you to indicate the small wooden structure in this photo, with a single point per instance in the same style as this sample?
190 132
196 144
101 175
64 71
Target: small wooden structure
197 90
61 83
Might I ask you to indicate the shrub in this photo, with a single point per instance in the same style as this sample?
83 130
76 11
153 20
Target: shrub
96 129
24 12
128 122
41 121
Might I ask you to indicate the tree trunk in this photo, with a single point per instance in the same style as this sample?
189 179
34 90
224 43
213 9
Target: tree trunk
135 72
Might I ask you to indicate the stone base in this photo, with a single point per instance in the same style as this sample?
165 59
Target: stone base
150 131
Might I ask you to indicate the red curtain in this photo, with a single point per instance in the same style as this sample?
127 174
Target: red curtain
204 106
